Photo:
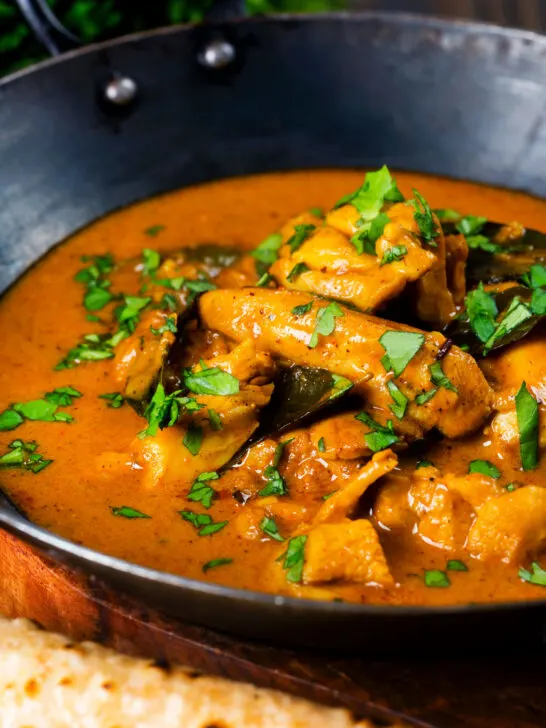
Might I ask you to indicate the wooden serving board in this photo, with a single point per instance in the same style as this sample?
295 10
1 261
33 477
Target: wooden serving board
497 691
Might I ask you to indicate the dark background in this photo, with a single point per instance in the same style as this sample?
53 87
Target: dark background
94 20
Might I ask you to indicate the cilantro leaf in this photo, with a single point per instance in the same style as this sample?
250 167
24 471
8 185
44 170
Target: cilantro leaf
151 261
201 491
269 527
378 187
303 309
368 234
301 233
447 214
528 419
424 219
296 272
424 464
516 315
113 399
9 420
456 565
482 311
380 437
202 522
154 230
63 396
267 253
325 322
470 225
321 445
440 379
193 439
128 512
215 563
24 455
400 348
275 482
434 578
215 420
394 254
212 381
294 559
485 468
425 397
400 400
536 576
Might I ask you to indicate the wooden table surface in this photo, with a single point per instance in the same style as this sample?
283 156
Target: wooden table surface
474 691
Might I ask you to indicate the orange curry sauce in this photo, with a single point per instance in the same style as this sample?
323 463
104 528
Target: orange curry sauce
42 317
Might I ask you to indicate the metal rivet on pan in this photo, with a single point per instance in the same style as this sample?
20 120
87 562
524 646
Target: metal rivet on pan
216 54
120 91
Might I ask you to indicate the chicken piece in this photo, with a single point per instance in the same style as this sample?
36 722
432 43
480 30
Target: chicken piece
434 299
334 269
341 438
510 528
391 509
240 274
347 551
139 357
286 514
445 505
354 350
344 501
245 363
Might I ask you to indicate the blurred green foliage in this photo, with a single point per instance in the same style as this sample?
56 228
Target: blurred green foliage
94 20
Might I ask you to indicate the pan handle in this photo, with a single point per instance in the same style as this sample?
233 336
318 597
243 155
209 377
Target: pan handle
49 31
52 34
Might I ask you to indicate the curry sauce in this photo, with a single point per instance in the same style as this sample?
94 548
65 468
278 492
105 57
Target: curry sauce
359 503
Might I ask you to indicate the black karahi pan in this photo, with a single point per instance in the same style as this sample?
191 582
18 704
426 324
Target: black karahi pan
102 127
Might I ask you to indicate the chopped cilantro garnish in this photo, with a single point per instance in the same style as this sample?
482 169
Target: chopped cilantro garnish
169 325
202 522
400 400
63 396
368 234
269 527
296 272
440 379
425 397
164 410
485 468
447 214
482 311
511 487
340 386
380 437
321 445
128 512
214 420
168 302
535 277
128 314
294 559
264 281
329 495
275 482
516 315
481 242
93 347
424 219
325 322
193 439
212 381
9 420
434 578
470 225
267 253
301 233
43 410
113 399
151 261
201 491
94 278
24 455
536 576
303 309
400 348
456 565
215 563
394 254
154 230
378 187
527 415
317 211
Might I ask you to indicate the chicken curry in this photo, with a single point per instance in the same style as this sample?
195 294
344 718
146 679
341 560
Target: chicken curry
300 383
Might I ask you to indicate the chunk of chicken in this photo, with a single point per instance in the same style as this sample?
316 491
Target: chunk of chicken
334 268
510 528
139 357
348 551
344 501
354 350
